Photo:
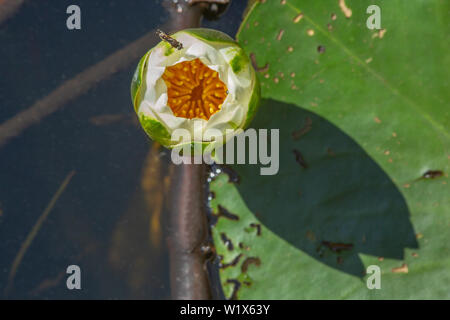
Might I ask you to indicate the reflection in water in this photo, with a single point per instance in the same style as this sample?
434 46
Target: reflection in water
136 252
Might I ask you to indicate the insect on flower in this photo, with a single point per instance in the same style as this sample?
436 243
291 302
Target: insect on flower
196 80
174 43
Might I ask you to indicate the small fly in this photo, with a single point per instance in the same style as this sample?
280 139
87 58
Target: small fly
165 37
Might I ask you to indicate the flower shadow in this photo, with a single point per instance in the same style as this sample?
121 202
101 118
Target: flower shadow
329 198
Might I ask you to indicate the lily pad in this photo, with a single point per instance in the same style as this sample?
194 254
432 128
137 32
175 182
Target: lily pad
364 155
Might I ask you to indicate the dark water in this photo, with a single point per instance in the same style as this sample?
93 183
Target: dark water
105 220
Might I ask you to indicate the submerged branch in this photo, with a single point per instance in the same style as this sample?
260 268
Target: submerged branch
188 230
188 234
8 8
30 237
75 87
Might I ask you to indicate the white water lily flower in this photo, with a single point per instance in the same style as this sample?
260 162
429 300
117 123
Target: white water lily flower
210 82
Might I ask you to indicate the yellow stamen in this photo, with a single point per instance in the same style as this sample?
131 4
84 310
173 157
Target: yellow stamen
194 90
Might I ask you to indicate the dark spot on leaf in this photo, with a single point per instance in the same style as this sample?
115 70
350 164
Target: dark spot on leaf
243 246
299 158
339 260
232 263
321 49
432 174
337 247
302 131
250 260
226 241
255 64
258 228
222 212
226 214
232 175
236 285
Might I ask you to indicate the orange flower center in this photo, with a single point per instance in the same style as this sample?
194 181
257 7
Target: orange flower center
194 90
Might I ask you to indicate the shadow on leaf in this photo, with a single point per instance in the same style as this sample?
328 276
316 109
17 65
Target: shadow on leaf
329 198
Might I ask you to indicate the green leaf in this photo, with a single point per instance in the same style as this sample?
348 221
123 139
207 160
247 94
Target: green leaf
138 82
155 130
362 117
213 36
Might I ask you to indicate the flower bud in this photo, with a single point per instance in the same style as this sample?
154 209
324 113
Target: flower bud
203 81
